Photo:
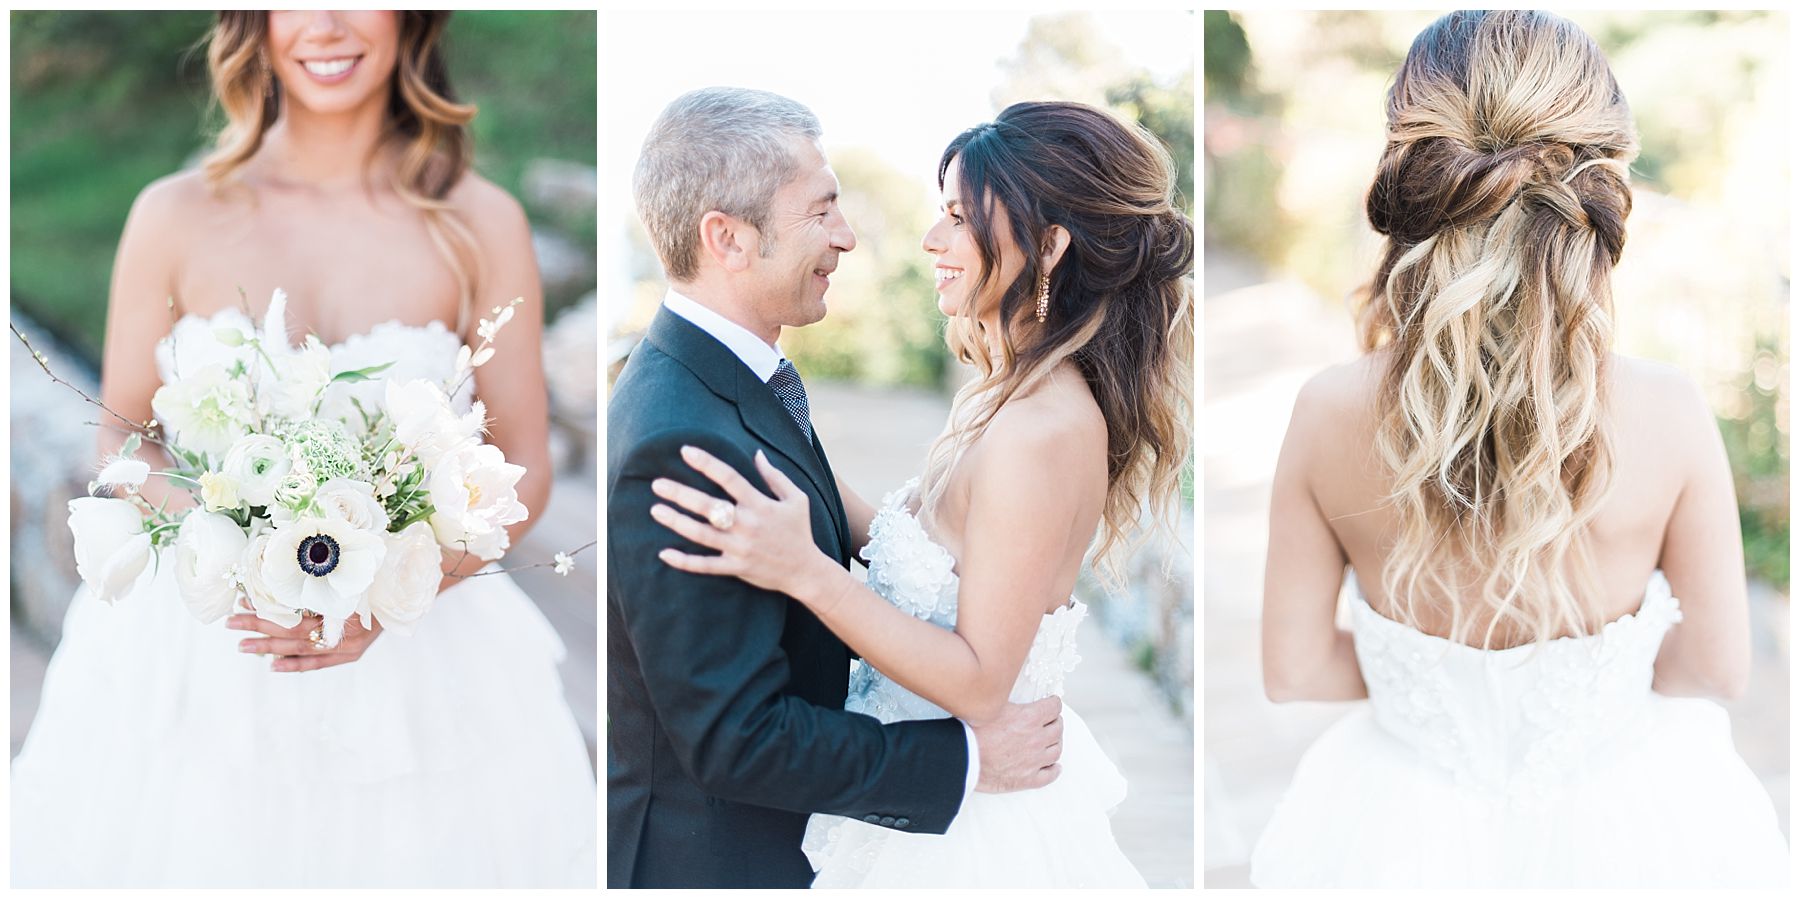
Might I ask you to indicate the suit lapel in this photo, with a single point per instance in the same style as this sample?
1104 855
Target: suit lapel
760 409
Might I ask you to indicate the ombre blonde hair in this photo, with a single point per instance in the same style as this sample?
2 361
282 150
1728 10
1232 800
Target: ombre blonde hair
1503 193
424 119
1121 299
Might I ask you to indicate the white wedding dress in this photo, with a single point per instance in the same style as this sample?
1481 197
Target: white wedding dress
1057 836
1549 765
162 756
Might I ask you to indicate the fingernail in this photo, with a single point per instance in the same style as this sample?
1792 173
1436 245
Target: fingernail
666 555
685 450
247 646
281 665
658 510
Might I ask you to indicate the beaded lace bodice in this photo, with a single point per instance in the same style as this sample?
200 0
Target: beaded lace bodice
1513 725
916 574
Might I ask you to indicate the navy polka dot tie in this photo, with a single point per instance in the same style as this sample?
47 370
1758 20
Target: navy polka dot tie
786 384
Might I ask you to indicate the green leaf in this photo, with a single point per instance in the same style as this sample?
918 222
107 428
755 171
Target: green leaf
360 374
131 445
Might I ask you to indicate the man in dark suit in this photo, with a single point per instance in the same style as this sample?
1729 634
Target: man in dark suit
725 702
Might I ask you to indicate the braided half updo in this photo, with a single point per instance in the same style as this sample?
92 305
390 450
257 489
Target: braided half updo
1502 193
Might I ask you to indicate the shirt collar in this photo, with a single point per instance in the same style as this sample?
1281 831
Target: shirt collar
749 348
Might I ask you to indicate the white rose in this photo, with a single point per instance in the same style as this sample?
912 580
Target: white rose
111 548
424 423
407 585
206 410
258 463
474 497
208 556
324 565
262 599
351 501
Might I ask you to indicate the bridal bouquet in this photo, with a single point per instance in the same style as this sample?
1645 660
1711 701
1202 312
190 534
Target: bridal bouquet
303 506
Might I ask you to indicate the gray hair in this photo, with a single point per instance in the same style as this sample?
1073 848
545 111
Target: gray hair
717 148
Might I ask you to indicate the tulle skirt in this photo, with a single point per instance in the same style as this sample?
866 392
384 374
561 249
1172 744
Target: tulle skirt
1057 836
162 756
1676 808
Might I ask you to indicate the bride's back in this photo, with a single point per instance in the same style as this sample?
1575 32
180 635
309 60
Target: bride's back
1662 436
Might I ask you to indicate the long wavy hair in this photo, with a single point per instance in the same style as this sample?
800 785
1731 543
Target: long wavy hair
1121 298
424 121
1503 193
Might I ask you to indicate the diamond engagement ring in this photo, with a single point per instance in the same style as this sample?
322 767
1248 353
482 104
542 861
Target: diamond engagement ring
317 638
723 515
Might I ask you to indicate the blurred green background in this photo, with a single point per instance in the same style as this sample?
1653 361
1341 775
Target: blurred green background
103 103
1294 112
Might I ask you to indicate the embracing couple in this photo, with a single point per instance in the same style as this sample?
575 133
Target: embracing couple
745 747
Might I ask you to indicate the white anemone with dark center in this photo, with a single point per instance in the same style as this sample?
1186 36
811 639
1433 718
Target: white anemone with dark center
324 565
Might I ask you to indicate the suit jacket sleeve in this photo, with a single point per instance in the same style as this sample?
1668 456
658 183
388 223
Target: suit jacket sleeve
715 670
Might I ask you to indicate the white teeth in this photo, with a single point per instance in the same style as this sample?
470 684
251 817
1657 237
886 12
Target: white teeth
945 276
326 68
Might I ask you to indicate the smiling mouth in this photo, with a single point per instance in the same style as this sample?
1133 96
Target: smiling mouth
330 68
946 275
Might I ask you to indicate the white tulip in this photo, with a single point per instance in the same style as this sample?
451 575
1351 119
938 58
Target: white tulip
111 548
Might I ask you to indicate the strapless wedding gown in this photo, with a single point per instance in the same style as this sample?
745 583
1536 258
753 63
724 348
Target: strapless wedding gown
1057 836
162 756
1550 765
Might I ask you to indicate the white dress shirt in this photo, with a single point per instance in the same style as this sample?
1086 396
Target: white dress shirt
763 358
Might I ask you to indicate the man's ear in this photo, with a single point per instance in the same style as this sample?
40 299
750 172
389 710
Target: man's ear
1056 242
728 240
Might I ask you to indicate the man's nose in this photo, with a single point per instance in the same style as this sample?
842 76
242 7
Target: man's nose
843 238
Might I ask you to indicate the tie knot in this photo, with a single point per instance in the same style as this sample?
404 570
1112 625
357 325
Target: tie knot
785 382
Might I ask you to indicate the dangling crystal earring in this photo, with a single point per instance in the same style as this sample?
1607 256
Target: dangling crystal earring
1043 307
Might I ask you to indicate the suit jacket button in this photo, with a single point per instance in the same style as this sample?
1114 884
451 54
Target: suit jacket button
872 819
902 822
887 820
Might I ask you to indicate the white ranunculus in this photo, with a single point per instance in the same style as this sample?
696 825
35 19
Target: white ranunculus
473 492
424 422
351 501
206 410
257 462
111 548
208 554
218 492
263 600
324 565
407 585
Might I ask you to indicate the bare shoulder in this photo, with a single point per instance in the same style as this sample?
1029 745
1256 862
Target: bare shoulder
1059 426
493 213
1658 404
1341 396
1654 394
172 203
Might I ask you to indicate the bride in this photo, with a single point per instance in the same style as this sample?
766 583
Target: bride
1549 580
1061 262
167 753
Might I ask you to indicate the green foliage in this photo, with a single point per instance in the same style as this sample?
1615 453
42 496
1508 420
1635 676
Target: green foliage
103 103
884 324
1757 446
